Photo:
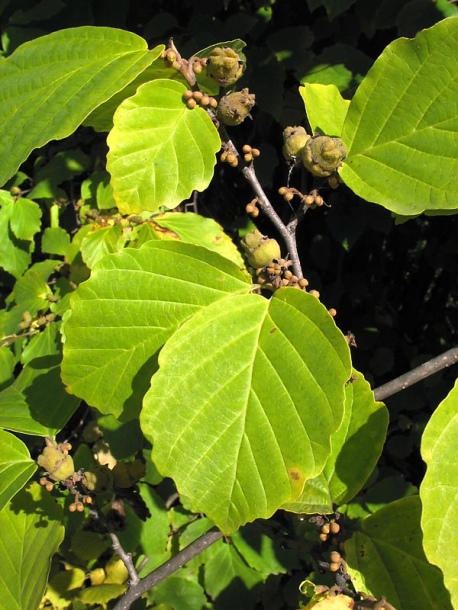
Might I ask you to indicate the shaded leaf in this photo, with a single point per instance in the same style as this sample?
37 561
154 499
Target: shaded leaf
439 490
16 466
225 381
404 155
32 530
101 241
15 413
55 240
160 150
180 591
49 85
386 558
126 311
25 218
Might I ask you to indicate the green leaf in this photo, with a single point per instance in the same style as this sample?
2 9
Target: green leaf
101 241
160 150
195 229
356 448
55 240
225 566
25 218
100 594
49 85
180 591
101 119
50 405
225 381
16 466
14 253
325 107
128 308
386 558
15 413
45 343
32 530
439 490
401 126
7 363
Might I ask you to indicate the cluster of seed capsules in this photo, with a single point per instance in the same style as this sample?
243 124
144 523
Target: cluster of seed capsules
327 529
312 200
249 153
198 98
277 274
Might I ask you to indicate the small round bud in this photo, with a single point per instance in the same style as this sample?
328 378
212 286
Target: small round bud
197 67
335 557
255 213
72 507
49 486
303 283
319 200
188 94
223 157
335 527
309 200
15 190
323 537
191 103
255 152
334 567
205 101
248 158
213 103
282 190
316 294
80 507
246 148
198 95
249 208
232 159
288 275
325 529
288 196
170 56
332 312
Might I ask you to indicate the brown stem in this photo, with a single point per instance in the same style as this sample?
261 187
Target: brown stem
171 566
425 370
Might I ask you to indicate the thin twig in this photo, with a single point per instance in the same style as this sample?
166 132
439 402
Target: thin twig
171 566
425 370
126 558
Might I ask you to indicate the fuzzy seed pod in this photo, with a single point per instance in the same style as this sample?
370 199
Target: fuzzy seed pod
323 155
57 464
99 481
294 140
224 66
260 249
234 108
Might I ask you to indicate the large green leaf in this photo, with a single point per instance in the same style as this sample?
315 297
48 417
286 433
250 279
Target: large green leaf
326 109
32 530
401 129
439 490
160 150
386 558
356 448
254 389
49 85
16 466
129 307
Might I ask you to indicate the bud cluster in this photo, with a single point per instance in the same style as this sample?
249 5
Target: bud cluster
198 98
312 200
